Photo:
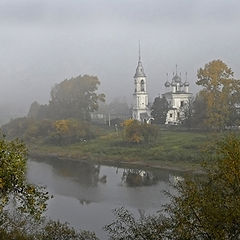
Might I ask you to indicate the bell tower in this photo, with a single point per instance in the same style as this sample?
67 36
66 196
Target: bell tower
140 110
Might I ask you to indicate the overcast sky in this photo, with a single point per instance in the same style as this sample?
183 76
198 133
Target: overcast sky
43 42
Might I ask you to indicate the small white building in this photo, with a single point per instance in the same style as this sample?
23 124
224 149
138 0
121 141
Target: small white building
140 110
178 98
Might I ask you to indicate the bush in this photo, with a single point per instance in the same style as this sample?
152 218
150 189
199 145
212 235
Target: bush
136 132
60 132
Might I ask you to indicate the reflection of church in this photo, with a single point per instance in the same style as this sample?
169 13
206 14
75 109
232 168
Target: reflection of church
178 98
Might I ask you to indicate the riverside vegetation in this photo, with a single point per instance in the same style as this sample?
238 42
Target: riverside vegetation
206 207
134 143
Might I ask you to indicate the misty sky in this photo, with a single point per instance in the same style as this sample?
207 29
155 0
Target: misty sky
43 42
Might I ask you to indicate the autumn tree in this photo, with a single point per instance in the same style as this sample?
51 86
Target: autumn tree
220 93
160 109
13 184
75 98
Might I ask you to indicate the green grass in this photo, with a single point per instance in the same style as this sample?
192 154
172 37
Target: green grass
173 149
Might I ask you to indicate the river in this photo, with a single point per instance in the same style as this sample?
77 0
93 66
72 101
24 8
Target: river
85 194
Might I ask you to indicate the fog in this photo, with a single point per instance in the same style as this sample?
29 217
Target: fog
43 42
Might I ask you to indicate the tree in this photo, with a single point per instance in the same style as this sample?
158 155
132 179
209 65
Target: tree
54 230
194 112
16 226
205 206
127 227
199 111
209 208
23 220
38 111
75 98
13 185
220 93
160 109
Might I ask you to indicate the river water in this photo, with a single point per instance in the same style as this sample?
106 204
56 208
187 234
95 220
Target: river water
85 194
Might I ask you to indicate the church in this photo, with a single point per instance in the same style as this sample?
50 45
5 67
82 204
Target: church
178 97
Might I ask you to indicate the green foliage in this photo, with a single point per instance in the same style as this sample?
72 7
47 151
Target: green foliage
160 109
16 128
126 226
13 185
49 131
23 220
54 230
174 149
209 207
136 132
70 131
24 227
205 207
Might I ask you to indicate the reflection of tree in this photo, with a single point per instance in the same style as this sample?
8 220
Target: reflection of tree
84 173
77 179
81 172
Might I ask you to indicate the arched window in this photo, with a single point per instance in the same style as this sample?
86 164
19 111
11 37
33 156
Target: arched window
142 86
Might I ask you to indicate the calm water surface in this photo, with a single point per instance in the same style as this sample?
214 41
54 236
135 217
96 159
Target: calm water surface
85 194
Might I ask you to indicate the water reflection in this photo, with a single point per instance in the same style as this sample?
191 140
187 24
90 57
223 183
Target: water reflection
85 173
138 177
84 191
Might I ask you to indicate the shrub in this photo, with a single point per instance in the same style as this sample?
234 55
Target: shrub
136 132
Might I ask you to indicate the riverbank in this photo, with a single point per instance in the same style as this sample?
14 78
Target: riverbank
175 150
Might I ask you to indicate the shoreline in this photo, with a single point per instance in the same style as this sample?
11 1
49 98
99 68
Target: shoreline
178 151
166 165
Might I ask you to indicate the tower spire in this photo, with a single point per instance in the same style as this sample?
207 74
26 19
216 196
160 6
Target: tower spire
139 51
176 69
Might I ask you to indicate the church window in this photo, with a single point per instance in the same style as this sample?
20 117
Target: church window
142 86
178 114
170 115
182 103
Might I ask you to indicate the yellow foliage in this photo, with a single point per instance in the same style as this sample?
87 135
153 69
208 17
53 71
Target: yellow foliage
220 92
1 183
62 126
128 122
136 132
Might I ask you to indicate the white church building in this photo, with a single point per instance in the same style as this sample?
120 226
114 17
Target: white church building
178 98
140 109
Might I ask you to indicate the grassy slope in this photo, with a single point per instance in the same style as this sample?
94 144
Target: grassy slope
178 150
